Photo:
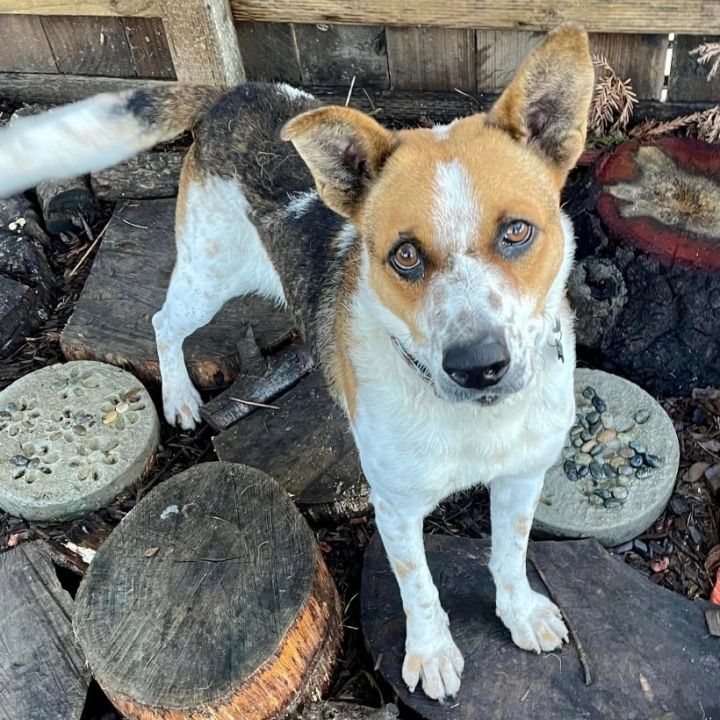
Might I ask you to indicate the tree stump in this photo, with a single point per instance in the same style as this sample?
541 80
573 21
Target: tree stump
210 600
636 651
647 283
43 675
127 285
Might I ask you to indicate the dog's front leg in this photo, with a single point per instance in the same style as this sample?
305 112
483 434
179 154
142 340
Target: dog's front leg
534 621
431 655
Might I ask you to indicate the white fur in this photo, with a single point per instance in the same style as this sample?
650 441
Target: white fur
71 140
442 132
455 212
298 202
219 257
292 92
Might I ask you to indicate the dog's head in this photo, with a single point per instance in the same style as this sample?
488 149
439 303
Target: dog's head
465 248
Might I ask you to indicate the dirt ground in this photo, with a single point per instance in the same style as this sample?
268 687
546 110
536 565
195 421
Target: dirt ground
680 551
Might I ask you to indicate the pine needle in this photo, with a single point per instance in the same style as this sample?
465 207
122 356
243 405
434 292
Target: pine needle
708 54
613 101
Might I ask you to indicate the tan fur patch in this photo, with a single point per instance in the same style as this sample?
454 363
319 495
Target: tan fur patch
402 570
191 173
522 526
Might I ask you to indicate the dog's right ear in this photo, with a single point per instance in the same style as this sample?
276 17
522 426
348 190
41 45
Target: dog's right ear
345 151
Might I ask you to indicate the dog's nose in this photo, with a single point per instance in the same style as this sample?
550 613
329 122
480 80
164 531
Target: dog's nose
477 365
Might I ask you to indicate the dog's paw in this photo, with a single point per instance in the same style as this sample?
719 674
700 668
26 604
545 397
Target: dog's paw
439 666
181 405
534 622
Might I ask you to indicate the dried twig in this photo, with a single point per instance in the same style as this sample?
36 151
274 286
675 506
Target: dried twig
255 404
92 246
708 54
704 125
350 91
613 101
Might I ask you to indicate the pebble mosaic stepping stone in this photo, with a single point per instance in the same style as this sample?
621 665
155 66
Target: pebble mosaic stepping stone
72 437
618 467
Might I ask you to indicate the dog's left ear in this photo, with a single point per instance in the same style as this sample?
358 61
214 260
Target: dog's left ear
546 104
345 151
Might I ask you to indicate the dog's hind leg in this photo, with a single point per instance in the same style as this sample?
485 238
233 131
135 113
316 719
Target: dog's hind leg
219 256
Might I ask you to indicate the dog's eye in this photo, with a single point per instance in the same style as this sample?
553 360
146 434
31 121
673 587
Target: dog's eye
518 232
406 260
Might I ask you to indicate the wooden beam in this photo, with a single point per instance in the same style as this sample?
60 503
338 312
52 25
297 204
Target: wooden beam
627 16
95 8
203 42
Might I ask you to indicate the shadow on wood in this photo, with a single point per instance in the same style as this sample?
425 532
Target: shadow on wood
127 285
647 649
210 600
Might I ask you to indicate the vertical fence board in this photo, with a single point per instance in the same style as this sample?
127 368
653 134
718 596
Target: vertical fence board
23 45
269 51
332 54
638 57
499 54
148 47
688 80
422 58
89 46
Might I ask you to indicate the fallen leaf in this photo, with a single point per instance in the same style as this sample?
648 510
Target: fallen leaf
712 560
696 471
325 547
149 552
15 538
715 594
660 565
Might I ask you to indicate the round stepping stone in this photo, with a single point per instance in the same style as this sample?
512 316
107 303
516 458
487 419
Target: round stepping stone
620 503
72 437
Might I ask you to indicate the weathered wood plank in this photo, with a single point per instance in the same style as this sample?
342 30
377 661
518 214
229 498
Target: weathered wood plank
95 8
332 55
646 648
269 51
42 671
306 446
499 54
149 48
89 46
127 285
629 16
203 42
688 80
212 600
422 58
638 57
24 46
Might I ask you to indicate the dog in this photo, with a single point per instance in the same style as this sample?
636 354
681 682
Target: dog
425 267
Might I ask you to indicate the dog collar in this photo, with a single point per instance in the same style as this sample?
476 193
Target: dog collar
412 361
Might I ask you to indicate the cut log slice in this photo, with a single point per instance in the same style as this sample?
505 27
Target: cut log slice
646 287
210 600
306 444
127 285
43 675
636 650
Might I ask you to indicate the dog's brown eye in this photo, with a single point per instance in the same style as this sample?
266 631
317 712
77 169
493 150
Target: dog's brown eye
518 232
406 256
407 260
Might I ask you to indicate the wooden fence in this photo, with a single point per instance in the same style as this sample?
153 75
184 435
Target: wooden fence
60 49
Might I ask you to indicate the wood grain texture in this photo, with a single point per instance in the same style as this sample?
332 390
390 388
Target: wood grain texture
334 54
203 42
269 51
638 57
42 671
24 46
647 648
210 600
119 8
637 16
306 446
148 175
127 285
688 80
499 54
148 48
89 46
422 58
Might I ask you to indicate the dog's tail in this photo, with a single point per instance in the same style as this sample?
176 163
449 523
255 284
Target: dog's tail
95 133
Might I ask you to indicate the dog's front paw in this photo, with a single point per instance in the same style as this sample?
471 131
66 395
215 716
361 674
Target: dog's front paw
534 622
439 664
181 405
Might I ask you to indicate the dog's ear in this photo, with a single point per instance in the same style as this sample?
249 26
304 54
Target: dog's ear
344 149
546 104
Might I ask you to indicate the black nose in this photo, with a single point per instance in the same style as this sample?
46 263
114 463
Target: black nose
477 365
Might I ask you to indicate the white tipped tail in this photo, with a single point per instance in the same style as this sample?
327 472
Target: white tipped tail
72 140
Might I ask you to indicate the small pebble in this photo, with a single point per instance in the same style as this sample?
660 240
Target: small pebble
623 480
10 408
595 500
636 461
606 436
644 473
641 547
570 471
576 430
614 444
642 416
609 470
588 446
653 460
602 493
583 459
612 502
608 420
599 404
589 392
592 418
577 442
583 470
19 460
568 453
587 436
625 470
122 407
620 493
595 427
695 534
679 505
596 470
110 417
638 447
617 462
597 450
79 429
626 452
